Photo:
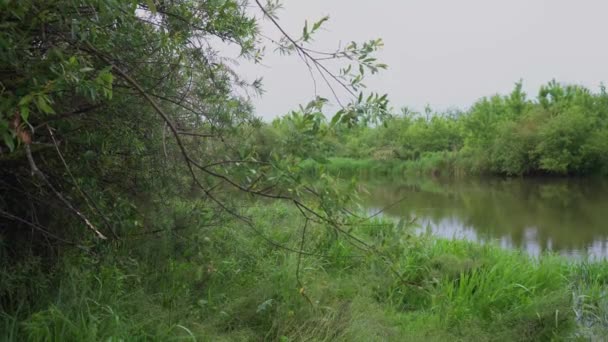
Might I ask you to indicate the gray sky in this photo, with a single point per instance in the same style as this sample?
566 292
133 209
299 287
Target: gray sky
445 53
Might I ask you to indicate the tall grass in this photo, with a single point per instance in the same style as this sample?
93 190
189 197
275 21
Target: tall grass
429 164
227 284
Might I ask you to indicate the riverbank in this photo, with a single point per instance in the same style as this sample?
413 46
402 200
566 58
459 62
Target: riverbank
228 283
434 164
445 164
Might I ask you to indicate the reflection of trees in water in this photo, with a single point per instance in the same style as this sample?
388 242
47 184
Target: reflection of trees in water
565 215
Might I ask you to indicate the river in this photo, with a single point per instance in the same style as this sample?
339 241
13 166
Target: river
567 216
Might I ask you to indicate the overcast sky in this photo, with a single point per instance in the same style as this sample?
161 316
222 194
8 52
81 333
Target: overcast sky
445 53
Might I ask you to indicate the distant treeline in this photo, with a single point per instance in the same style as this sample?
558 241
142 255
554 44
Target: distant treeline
562 131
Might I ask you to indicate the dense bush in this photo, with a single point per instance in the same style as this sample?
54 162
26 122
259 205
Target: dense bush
123 120
561 132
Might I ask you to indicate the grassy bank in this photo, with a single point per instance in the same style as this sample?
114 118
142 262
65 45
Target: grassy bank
228 284
435 164
429 164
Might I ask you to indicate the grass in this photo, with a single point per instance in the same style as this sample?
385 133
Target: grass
429 164
227 284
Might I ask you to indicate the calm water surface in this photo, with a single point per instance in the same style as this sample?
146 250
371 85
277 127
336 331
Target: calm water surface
568 216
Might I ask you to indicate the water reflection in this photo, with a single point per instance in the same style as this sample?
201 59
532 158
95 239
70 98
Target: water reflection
567 216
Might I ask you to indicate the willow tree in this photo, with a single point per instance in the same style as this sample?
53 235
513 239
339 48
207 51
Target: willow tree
107 104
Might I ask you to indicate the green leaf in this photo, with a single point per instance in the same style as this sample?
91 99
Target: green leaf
305 34
25 112
319 23
336 118
25 100
9 141
43 105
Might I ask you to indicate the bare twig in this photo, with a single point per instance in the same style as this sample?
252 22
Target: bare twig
306 53
36 172
165 140
93 206
194 134
300 284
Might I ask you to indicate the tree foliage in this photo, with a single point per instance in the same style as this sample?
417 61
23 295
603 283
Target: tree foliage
560 132
110 108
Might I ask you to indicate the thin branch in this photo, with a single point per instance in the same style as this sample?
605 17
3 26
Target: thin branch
319 66
93 207
300 284
194 134
165 140
36 172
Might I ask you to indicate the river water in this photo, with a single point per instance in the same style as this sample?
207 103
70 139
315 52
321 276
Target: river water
567 216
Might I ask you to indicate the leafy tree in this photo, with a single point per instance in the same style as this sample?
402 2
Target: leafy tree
108 109
561 131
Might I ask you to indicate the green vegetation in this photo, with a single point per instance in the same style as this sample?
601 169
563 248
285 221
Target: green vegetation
142 200
227 283
430 164
563 131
